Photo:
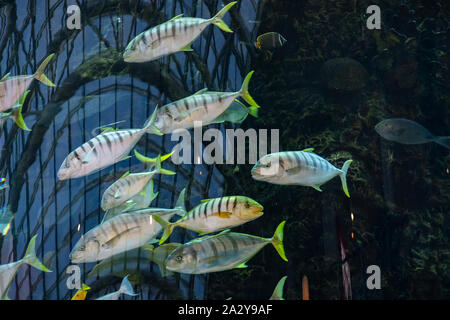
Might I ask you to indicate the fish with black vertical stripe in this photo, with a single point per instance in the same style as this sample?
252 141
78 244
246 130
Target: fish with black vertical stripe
224 251
215 215
103 150
203 106
303 168
123 232
172 36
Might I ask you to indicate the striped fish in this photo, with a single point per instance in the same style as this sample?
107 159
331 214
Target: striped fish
9 271
303 168
12 88
16 113
125 288
220 252
103 150
204 107
214 215
172 36
122 233
129 185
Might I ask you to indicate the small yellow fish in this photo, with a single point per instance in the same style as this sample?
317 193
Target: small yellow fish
81 294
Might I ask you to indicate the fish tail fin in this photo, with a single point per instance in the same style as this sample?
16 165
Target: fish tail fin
278 291
167 227
343 176
179 205
149 126
443 141
126 287
277 240
253 111
145 159
17 113
244 91
39 75
161 170
85 287
217 19
31 258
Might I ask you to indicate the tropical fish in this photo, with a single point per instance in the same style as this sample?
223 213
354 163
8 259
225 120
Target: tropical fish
202 106
12 88
8 271
3 184
408 132
215 215
236 113
224 251
160 254
303 168
129 185
140 201
172 36
16 113
270 40
125 288
6 216
81 294
122 233
278 292
103 150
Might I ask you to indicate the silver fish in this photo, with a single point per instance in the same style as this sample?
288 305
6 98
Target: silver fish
204 107
220 252
408 132
125 288
12 88
122 233
236 113
303 168
172 36
103 150
6 216
129 185
214 215
16 113
8 271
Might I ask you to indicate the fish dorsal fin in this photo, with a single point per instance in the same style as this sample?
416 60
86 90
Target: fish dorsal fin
176 17
201 91
5 77
187 48
125 174
308 150
205 200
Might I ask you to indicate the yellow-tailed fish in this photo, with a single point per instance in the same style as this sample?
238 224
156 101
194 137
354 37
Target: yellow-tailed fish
140 201
81 294
278 291
16 113
224 251
303 168
12 88
8 271
237 112
129 185
203 106
103 150
172 36
125 288
214 215
6 216
122 233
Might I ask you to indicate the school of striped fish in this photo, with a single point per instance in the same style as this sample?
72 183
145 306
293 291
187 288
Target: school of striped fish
129 223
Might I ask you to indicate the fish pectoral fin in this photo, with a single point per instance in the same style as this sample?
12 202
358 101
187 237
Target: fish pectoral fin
88 155
242 265
293 170
187 48
222 214
186 113
308 150
142 193
317 188
125 158
110 243
129 206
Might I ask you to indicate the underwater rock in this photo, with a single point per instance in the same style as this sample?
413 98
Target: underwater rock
344 74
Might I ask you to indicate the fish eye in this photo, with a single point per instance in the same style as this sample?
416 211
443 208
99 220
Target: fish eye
179 259
267 165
